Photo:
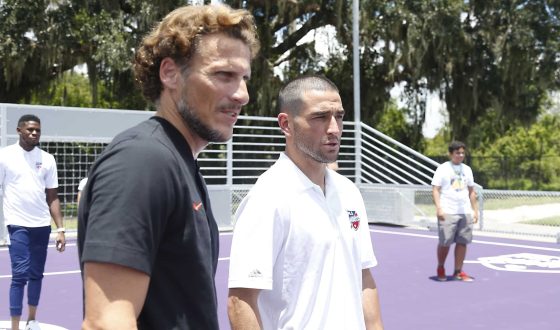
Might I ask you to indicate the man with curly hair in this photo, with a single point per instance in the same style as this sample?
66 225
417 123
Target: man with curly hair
148 242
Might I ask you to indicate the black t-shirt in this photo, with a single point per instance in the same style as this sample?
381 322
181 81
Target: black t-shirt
146 207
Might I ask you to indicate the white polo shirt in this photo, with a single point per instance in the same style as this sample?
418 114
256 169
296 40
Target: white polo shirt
454 181
304 249
24 176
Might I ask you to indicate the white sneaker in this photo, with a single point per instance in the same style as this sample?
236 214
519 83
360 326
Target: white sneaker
32 325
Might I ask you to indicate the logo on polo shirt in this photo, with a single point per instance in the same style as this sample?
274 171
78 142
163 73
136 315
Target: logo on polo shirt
255 273
196 206
38 165
354 219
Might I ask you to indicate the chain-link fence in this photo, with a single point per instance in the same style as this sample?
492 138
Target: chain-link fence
533 213
76 137
514 173
521 214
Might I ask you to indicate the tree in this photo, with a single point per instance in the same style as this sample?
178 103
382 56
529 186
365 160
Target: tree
524 158
44 38
479 55
282 25
488 59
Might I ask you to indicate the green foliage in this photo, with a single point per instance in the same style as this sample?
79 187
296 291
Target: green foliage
43 39
479 55
71 89
552 221
492 61
530 154
394 123
437 146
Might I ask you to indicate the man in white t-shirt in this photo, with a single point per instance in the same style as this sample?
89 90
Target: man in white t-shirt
29 181
301 251
454 196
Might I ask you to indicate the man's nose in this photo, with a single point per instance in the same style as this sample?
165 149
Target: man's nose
241 95
334 126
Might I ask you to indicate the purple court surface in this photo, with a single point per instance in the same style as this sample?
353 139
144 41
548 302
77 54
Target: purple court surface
517 284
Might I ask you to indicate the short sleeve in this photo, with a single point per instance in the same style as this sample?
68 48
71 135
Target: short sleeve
51 176
257 238
470 177
438 176
368 258
129 195
2 170
82 184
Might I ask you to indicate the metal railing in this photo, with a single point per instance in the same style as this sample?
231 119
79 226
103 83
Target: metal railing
394 179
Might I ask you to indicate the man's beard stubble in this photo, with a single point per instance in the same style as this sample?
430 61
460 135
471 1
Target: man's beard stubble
308 149
194 123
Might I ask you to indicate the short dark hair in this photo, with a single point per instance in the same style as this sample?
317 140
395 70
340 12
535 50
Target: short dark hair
25 118
291 95
456 145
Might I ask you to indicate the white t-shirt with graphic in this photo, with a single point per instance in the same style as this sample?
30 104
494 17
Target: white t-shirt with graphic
454 181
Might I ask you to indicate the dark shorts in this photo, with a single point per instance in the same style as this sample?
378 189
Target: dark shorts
456 228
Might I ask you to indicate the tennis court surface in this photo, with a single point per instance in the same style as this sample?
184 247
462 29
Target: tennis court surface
517 284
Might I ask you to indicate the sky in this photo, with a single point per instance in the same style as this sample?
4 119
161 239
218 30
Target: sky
436 116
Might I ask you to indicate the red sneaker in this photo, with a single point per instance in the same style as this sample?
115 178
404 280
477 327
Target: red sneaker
462 276
441 274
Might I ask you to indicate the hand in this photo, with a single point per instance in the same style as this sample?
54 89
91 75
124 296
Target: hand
475 217
60 242
440 215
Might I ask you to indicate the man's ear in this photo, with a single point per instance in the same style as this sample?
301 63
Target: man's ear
284 123
169 73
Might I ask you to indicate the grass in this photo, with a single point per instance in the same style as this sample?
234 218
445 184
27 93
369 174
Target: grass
551 221
511 202
499 203
502 203
70 223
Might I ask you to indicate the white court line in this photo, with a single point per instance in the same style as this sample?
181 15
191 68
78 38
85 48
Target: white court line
50 273
50 245
475 241
47 274
371 230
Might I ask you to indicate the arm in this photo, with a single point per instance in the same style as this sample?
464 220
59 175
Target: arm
243 310
78 198
370 302
474 203
436 193
54 208
114 296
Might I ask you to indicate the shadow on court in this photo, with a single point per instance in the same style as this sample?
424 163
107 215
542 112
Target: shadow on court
516 284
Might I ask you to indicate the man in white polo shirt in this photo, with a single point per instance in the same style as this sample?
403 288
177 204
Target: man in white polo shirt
29 181
301 252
